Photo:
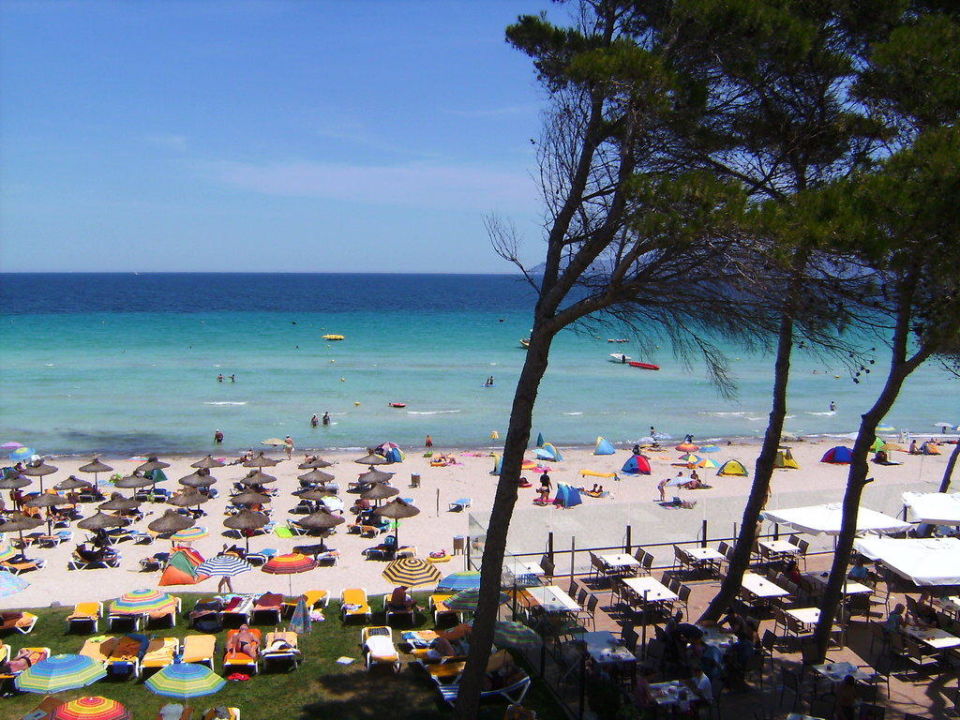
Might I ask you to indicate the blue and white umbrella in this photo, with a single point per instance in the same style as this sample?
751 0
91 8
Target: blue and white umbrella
301 622
223 565
11 584
22 453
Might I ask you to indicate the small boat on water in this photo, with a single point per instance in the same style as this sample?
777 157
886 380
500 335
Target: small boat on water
333 337
617 340
620 358
643 365
524 343
397 404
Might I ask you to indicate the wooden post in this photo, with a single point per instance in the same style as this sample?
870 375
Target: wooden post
629 544
438 502
573 554
703 540
550 545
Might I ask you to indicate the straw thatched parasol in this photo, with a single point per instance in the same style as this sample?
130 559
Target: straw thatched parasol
372 459
133 481
14 482
39 471
119 502
315 494
397 509
314 464
260 461
257 478
188 499
380 491
96 467
46 500
18 522
246 520
250 498
72 483
375 476
151 465
170 522
322 520
316 476
102 521
196 480
207 463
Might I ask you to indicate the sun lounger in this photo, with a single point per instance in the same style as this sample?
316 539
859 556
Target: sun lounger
32 655
221 712
166 617
329 558
353 604
93 560
84 614
237 610
44 710
124 653
160 653
378 647
313 598
281 647
232 660
175 711
97 648
199 649
460 504
267 607
4 653
22 566
22 622
391 611
512 693
205 615
440 610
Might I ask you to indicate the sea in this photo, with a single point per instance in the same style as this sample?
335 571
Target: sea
128 365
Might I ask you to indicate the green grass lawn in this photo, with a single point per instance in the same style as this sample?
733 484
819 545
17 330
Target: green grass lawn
320 688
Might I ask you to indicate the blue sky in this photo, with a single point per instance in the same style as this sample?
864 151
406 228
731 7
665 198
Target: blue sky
264 136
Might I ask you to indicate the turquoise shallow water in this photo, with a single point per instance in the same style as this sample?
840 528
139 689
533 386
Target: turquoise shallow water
127 364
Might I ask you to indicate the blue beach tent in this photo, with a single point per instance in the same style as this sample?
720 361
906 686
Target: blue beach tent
838 455
549 452
636 465
604 447
567 496
539 439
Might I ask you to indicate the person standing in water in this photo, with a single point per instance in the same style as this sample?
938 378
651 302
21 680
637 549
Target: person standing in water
314 421
326 419
218 436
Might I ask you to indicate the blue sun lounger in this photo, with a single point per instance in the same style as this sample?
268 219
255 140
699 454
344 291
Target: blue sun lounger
460 504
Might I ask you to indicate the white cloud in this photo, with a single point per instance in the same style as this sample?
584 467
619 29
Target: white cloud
424 186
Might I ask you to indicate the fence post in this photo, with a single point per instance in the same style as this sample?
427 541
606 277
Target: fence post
629 539
703 541
550 545
776 531
466 554
573 555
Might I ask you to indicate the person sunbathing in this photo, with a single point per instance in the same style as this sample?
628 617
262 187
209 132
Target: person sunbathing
24 659
244 641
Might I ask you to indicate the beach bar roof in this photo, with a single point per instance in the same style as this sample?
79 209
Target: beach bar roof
933 508
826 519
927 562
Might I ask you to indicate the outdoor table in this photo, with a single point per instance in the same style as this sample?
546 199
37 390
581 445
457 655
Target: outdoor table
851 587
604 647
524 570
703 554
758 586
715 637
650 589
667 694
932 637
619 561
839 670
779 547
551 599
808 615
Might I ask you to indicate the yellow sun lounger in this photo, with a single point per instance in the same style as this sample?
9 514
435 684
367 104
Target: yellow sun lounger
378 647
22 622
281 647
594 473
97 647
160 653
199 649
85 613
353 604
314 599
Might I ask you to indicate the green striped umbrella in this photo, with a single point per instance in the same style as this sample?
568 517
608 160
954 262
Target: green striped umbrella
514 634
185 680
412 572
59 673
455 582
467 600
190 534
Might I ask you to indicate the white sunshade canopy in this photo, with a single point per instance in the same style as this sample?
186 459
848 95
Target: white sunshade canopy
925 561
826 519
933 508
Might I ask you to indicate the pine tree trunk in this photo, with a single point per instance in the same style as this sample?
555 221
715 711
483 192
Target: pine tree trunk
518 436
762 474
951 464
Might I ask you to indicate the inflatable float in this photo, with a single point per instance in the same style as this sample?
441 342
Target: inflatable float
397 404
643 365
333 337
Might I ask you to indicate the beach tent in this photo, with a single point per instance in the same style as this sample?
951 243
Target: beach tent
933 508
391 451
929 448
878 444
549 452
182 568
839 455
604 447
636 465
927 562
539 439
825 519
567 496
785 459
733 467
497 464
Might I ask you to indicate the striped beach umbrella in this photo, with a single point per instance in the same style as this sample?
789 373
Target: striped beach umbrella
224 566
514 634
22 453
142 602
7 553
710 449
690 459
708 463
185 680
686 447
455 582
91 708
59 673
412 572
290 564
190 534
467 600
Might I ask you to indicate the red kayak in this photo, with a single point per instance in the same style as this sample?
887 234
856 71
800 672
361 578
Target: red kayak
644 366
397 405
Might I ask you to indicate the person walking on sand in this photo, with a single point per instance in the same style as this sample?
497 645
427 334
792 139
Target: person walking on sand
288 446
662 487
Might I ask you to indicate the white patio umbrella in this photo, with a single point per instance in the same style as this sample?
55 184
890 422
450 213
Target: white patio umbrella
926 562
933 508
826 519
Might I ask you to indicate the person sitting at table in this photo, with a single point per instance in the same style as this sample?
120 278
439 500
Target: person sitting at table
859 571
924 615
792 571
894 620
642 694
702 690
846 699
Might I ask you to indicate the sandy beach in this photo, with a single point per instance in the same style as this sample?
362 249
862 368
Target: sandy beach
596 522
